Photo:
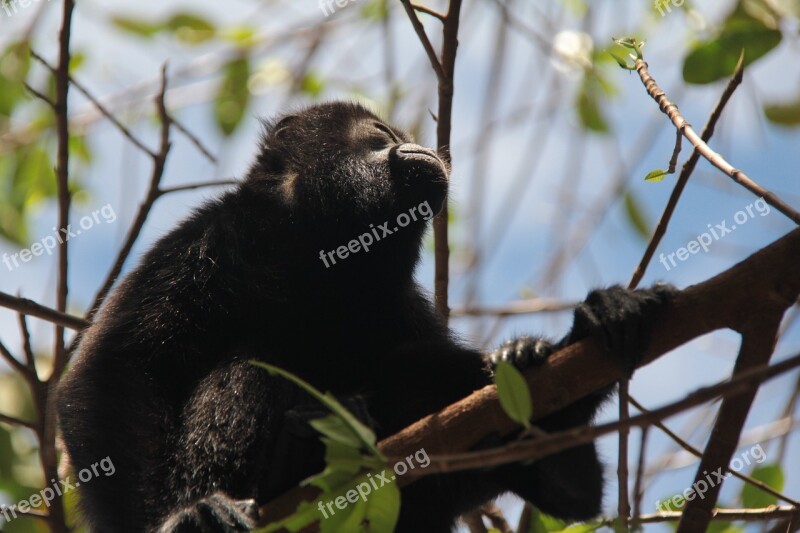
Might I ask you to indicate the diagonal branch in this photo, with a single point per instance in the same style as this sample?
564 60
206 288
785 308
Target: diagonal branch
31 308
671 110
765 283
683 179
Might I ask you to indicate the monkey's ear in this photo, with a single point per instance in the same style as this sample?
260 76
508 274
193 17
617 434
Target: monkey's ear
271 162
282 125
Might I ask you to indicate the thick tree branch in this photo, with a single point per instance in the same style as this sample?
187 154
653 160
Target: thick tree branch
765 284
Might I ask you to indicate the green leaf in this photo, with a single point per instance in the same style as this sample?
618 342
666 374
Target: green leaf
14 67
312 85
374 10
513 392
136 26
588 527
233 95
383 509
337 430
718 526
543 523
79 148
305 515
786 114
190 28
365 434
636 217
589 110
771 475
244 36
656 175
76 61
621 60
716 59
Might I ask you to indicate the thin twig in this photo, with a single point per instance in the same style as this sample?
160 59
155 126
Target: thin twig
638 489
732 515
40 96
194 140
671 110
683 179
17 422
426 42
12 361
30 359
623 503
31 308
673 162
193 186
429 11
159 161
101 108
521 307
694 451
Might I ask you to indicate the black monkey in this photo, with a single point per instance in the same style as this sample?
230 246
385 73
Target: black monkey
308 265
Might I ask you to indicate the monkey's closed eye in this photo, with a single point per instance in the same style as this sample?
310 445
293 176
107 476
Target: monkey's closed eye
389 133
382 139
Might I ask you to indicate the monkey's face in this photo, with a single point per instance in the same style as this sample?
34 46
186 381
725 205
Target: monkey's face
341 169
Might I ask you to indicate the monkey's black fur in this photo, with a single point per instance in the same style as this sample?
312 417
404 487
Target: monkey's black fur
197 435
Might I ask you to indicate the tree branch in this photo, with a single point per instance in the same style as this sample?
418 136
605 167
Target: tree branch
31 308
765 283
671 110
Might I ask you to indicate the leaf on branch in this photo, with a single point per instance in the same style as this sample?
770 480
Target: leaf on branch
717 58
512 390
785 114
636 217
233 95
656 175
770 475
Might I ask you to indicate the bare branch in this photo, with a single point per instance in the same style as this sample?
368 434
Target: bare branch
194 140
101 108
31 308
153 193
732 515
522 307
683 179
671 110
429 11
694 451
423 37
193 186
17 422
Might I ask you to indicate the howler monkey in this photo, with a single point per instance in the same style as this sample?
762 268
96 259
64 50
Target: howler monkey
307 264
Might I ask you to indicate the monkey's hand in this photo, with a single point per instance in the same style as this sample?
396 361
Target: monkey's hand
217 513
522 352
621 320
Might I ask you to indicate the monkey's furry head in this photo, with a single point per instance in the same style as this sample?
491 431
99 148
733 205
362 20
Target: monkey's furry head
336 170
